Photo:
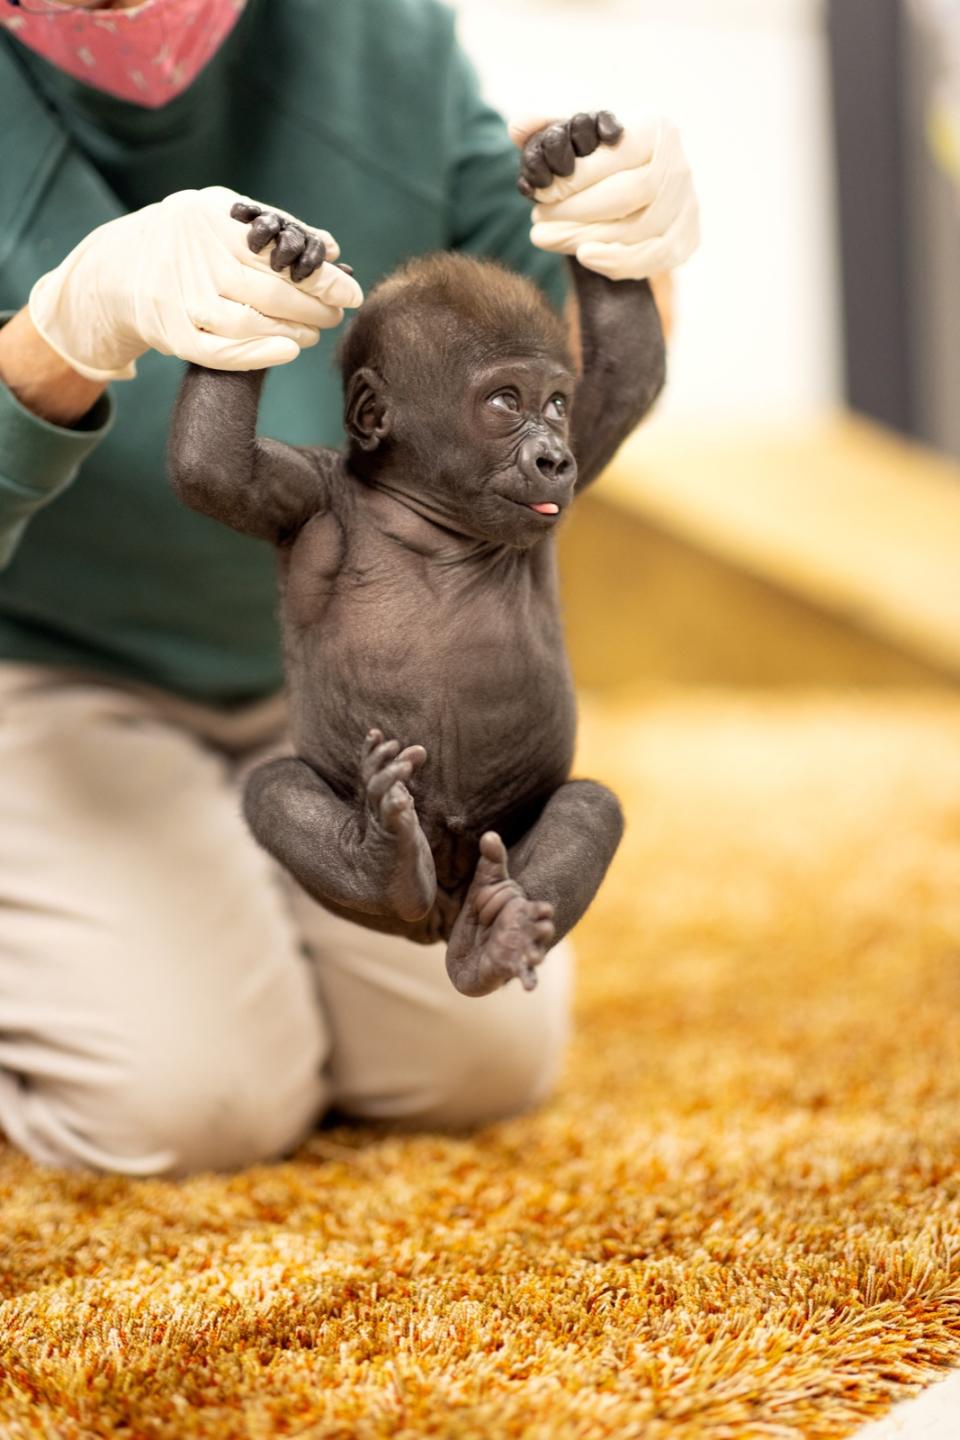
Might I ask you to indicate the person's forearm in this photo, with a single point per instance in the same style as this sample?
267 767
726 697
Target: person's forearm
40 380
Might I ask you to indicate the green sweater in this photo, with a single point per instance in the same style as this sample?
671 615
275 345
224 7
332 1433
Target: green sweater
362 116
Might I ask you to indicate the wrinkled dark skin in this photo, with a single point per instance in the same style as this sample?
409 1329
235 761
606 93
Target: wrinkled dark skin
432 709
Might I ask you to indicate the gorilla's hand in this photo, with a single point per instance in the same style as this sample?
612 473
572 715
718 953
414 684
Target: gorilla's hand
177 277
295 246
621 199
554 150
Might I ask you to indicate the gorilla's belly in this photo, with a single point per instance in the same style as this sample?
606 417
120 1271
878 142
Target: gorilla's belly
487 693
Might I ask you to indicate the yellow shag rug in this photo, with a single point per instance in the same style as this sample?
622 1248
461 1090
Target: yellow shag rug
740 1216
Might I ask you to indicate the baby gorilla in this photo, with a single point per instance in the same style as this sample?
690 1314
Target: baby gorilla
432 709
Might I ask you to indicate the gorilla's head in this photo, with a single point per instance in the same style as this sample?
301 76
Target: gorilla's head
458 384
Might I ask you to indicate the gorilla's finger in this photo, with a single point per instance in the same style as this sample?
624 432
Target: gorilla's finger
312 257
609 128
583 133
385 780
291 243
535 168
385 751
265 228
245 211
416 754
558 150
525 188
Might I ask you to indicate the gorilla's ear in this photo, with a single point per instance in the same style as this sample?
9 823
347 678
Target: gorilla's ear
366 417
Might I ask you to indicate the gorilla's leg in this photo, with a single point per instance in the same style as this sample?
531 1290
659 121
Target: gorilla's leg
520 904
372 857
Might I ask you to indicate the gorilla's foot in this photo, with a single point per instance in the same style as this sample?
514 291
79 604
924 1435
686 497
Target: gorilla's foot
393 838
499 932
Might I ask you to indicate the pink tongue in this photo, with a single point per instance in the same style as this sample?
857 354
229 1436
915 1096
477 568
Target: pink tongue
546 508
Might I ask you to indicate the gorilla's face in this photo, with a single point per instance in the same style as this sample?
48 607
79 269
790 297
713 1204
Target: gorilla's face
484 447
521 475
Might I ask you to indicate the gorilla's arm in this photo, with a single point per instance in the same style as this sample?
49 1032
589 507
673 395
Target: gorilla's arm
621 338
624 366
219 466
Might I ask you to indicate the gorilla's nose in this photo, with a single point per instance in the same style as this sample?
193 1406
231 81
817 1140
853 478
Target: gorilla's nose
546 458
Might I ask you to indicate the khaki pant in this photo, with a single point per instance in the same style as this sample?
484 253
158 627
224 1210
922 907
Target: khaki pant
169 1000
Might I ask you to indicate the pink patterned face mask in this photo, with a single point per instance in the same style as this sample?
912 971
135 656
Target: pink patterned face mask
148 54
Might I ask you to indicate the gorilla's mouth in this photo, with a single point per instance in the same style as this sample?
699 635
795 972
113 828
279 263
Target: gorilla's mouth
548 508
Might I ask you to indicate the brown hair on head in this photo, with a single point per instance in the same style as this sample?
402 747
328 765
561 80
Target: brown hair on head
441 307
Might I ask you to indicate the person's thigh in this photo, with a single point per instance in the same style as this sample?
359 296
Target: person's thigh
409 1048
157 1014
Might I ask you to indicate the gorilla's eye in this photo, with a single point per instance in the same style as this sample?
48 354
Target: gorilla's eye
507 400
558 404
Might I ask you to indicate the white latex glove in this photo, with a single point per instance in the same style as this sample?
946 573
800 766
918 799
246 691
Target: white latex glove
179 277
629 210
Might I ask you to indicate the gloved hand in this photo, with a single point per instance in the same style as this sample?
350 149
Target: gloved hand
628 210
179 277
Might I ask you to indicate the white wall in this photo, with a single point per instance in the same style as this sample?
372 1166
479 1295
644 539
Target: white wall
747 82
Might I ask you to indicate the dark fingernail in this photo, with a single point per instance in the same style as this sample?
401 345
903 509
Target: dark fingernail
262 231
525 188
535 167
347 269
312 258
290 245
609 128
583 134
558 151
280 258
243 210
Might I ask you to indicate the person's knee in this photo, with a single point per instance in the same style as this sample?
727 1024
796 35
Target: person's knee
497 1056
207 1113
213 1095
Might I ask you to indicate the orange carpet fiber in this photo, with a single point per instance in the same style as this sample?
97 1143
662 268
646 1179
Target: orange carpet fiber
739 1217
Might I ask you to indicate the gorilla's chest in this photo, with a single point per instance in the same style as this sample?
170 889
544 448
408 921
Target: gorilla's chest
462 655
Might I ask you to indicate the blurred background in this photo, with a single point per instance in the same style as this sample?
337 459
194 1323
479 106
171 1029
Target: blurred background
791 514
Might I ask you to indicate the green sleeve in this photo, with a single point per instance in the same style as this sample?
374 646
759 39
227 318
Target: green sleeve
38 460
489 216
